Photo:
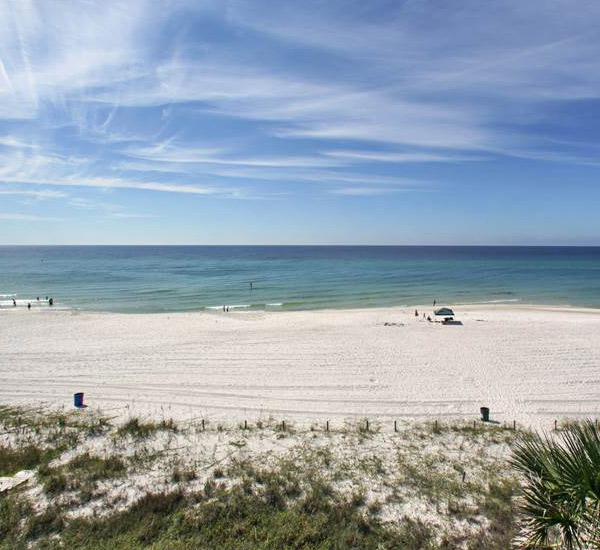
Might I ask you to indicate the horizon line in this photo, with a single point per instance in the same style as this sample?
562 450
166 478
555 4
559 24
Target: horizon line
315 245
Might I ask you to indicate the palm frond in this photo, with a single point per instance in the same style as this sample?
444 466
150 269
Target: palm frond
561 488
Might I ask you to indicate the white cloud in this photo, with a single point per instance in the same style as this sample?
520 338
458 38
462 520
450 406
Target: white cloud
36 193
56 48
313 176
363 191
15 217
111 97
109 209
60 171
181 154
383 156
11 141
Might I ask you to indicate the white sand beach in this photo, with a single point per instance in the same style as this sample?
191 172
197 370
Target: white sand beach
531 364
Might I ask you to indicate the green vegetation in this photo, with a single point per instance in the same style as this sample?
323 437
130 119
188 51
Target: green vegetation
211 488
561 497
40 436
13 512
80 474
138 429
24 458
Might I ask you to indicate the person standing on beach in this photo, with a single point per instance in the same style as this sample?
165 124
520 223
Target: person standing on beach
28 305
434 303
51 302
14 303
416 313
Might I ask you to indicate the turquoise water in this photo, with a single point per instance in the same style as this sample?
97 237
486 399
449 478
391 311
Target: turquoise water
181 278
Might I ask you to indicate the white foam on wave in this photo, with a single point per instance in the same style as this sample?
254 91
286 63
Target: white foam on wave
9 303
22 302
7 295
238 306
489 302
275 305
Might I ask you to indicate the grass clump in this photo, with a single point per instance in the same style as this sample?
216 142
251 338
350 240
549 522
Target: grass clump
138 429
13 511
13 460
423 475
235 519
81 474
183 475
47 524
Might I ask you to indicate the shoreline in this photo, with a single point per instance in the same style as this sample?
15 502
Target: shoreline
216 310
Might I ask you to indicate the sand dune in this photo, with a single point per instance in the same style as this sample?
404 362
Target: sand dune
530 364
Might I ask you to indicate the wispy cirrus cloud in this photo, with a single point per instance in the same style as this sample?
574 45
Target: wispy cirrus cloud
386 156
363 191
181 154
17 217
255 100
35 193
111 210
11 141
44 170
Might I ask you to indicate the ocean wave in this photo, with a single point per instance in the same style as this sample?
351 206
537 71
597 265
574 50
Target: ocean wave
22 303
234 306
244 306
489 302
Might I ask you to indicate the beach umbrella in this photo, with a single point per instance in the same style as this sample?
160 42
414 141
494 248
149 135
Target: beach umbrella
444 312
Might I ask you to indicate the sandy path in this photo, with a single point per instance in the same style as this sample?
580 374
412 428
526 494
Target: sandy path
532 364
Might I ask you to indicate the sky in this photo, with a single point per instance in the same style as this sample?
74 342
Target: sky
313 122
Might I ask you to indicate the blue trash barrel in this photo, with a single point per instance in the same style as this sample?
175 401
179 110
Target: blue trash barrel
78 399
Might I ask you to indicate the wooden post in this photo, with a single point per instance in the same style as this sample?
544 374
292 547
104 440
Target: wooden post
327 426
395 426
367 424
436 424
464 476
283 424
245 424
203 424
555 424
514 424
473 424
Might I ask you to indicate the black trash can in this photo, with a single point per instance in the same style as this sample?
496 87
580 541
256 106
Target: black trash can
78 400
485 414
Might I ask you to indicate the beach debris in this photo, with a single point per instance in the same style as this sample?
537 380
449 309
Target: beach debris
10 482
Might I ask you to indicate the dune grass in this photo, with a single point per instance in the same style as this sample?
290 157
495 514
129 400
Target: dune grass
347 488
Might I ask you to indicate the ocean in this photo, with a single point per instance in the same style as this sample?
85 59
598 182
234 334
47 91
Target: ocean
136 279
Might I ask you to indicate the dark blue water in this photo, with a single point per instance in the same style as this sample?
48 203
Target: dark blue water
178 278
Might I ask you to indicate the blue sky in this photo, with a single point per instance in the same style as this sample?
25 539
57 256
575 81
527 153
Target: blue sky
317 122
